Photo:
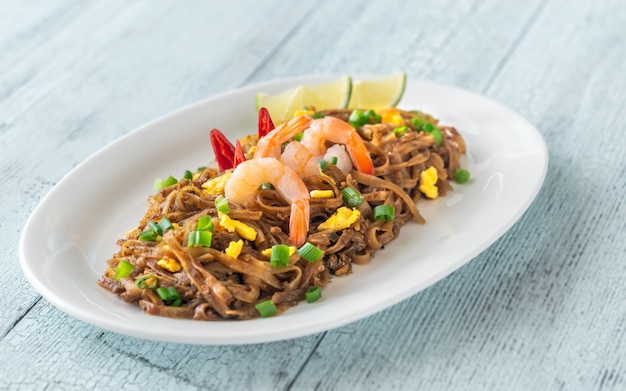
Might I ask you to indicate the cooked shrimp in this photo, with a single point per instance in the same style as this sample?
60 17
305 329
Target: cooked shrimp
244 183
340 132
344 163
270 144
297 157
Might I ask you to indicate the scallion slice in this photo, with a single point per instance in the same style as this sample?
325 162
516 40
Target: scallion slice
372 117
169 295
147 235
384 212
221 203
417 123
400 131
165 224
279 256
461 176
205 223
333 160
313 294
154 227
265 186
266 308
188 175
434 131
310 252
351 196
200 239
160 184
147 281
323 164
123 269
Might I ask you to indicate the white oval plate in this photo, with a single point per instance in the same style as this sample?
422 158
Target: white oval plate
73 231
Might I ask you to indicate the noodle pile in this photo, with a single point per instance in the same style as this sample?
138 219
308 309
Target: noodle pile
212 285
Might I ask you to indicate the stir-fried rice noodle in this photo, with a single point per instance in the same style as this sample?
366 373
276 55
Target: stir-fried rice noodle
215 286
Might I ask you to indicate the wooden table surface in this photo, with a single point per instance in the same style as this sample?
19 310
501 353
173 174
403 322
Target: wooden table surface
543 308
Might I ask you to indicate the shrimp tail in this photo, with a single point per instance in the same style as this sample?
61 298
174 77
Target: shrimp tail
360 157
299 222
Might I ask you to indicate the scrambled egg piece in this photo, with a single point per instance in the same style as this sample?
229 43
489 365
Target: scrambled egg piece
428 180
268 251
234 248
343 218
217 184
232 225
322 193
392 116
170 264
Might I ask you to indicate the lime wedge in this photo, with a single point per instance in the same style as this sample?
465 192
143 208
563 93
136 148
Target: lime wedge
379 93
330 95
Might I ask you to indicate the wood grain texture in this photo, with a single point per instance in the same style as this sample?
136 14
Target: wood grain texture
542 308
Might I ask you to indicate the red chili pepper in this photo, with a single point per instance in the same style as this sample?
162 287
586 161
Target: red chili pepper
265 122
239 156
223 149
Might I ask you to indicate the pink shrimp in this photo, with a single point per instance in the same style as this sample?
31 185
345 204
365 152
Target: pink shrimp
297 157
340 132
245 180
270 145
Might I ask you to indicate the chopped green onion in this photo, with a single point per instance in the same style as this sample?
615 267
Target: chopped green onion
280 255
160 184
310 252
200 239
333 160
205 223
317 115
417 123
201 168
123 269
351 196
400 131
461 176
359 118
372 117
147 236
165 224
169 295
298 137
265 186
313 294
266 308
221 203
143 281
323 164
154 227
154 230
384 212
434 131
188 175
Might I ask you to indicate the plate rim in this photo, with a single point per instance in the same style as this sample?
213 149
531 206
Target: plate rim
399 296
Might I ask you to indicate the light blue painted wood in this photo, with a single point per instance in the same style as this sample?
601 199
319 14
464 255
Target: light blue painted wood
543 308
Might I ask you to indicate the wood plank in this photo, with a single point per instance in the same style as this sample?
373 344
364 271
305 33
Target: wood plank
50 349
99 77
525 312
539 309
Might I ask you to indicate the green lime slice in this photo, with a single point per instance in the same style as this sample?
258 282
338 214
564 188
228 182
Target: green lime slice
378 93
329 95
